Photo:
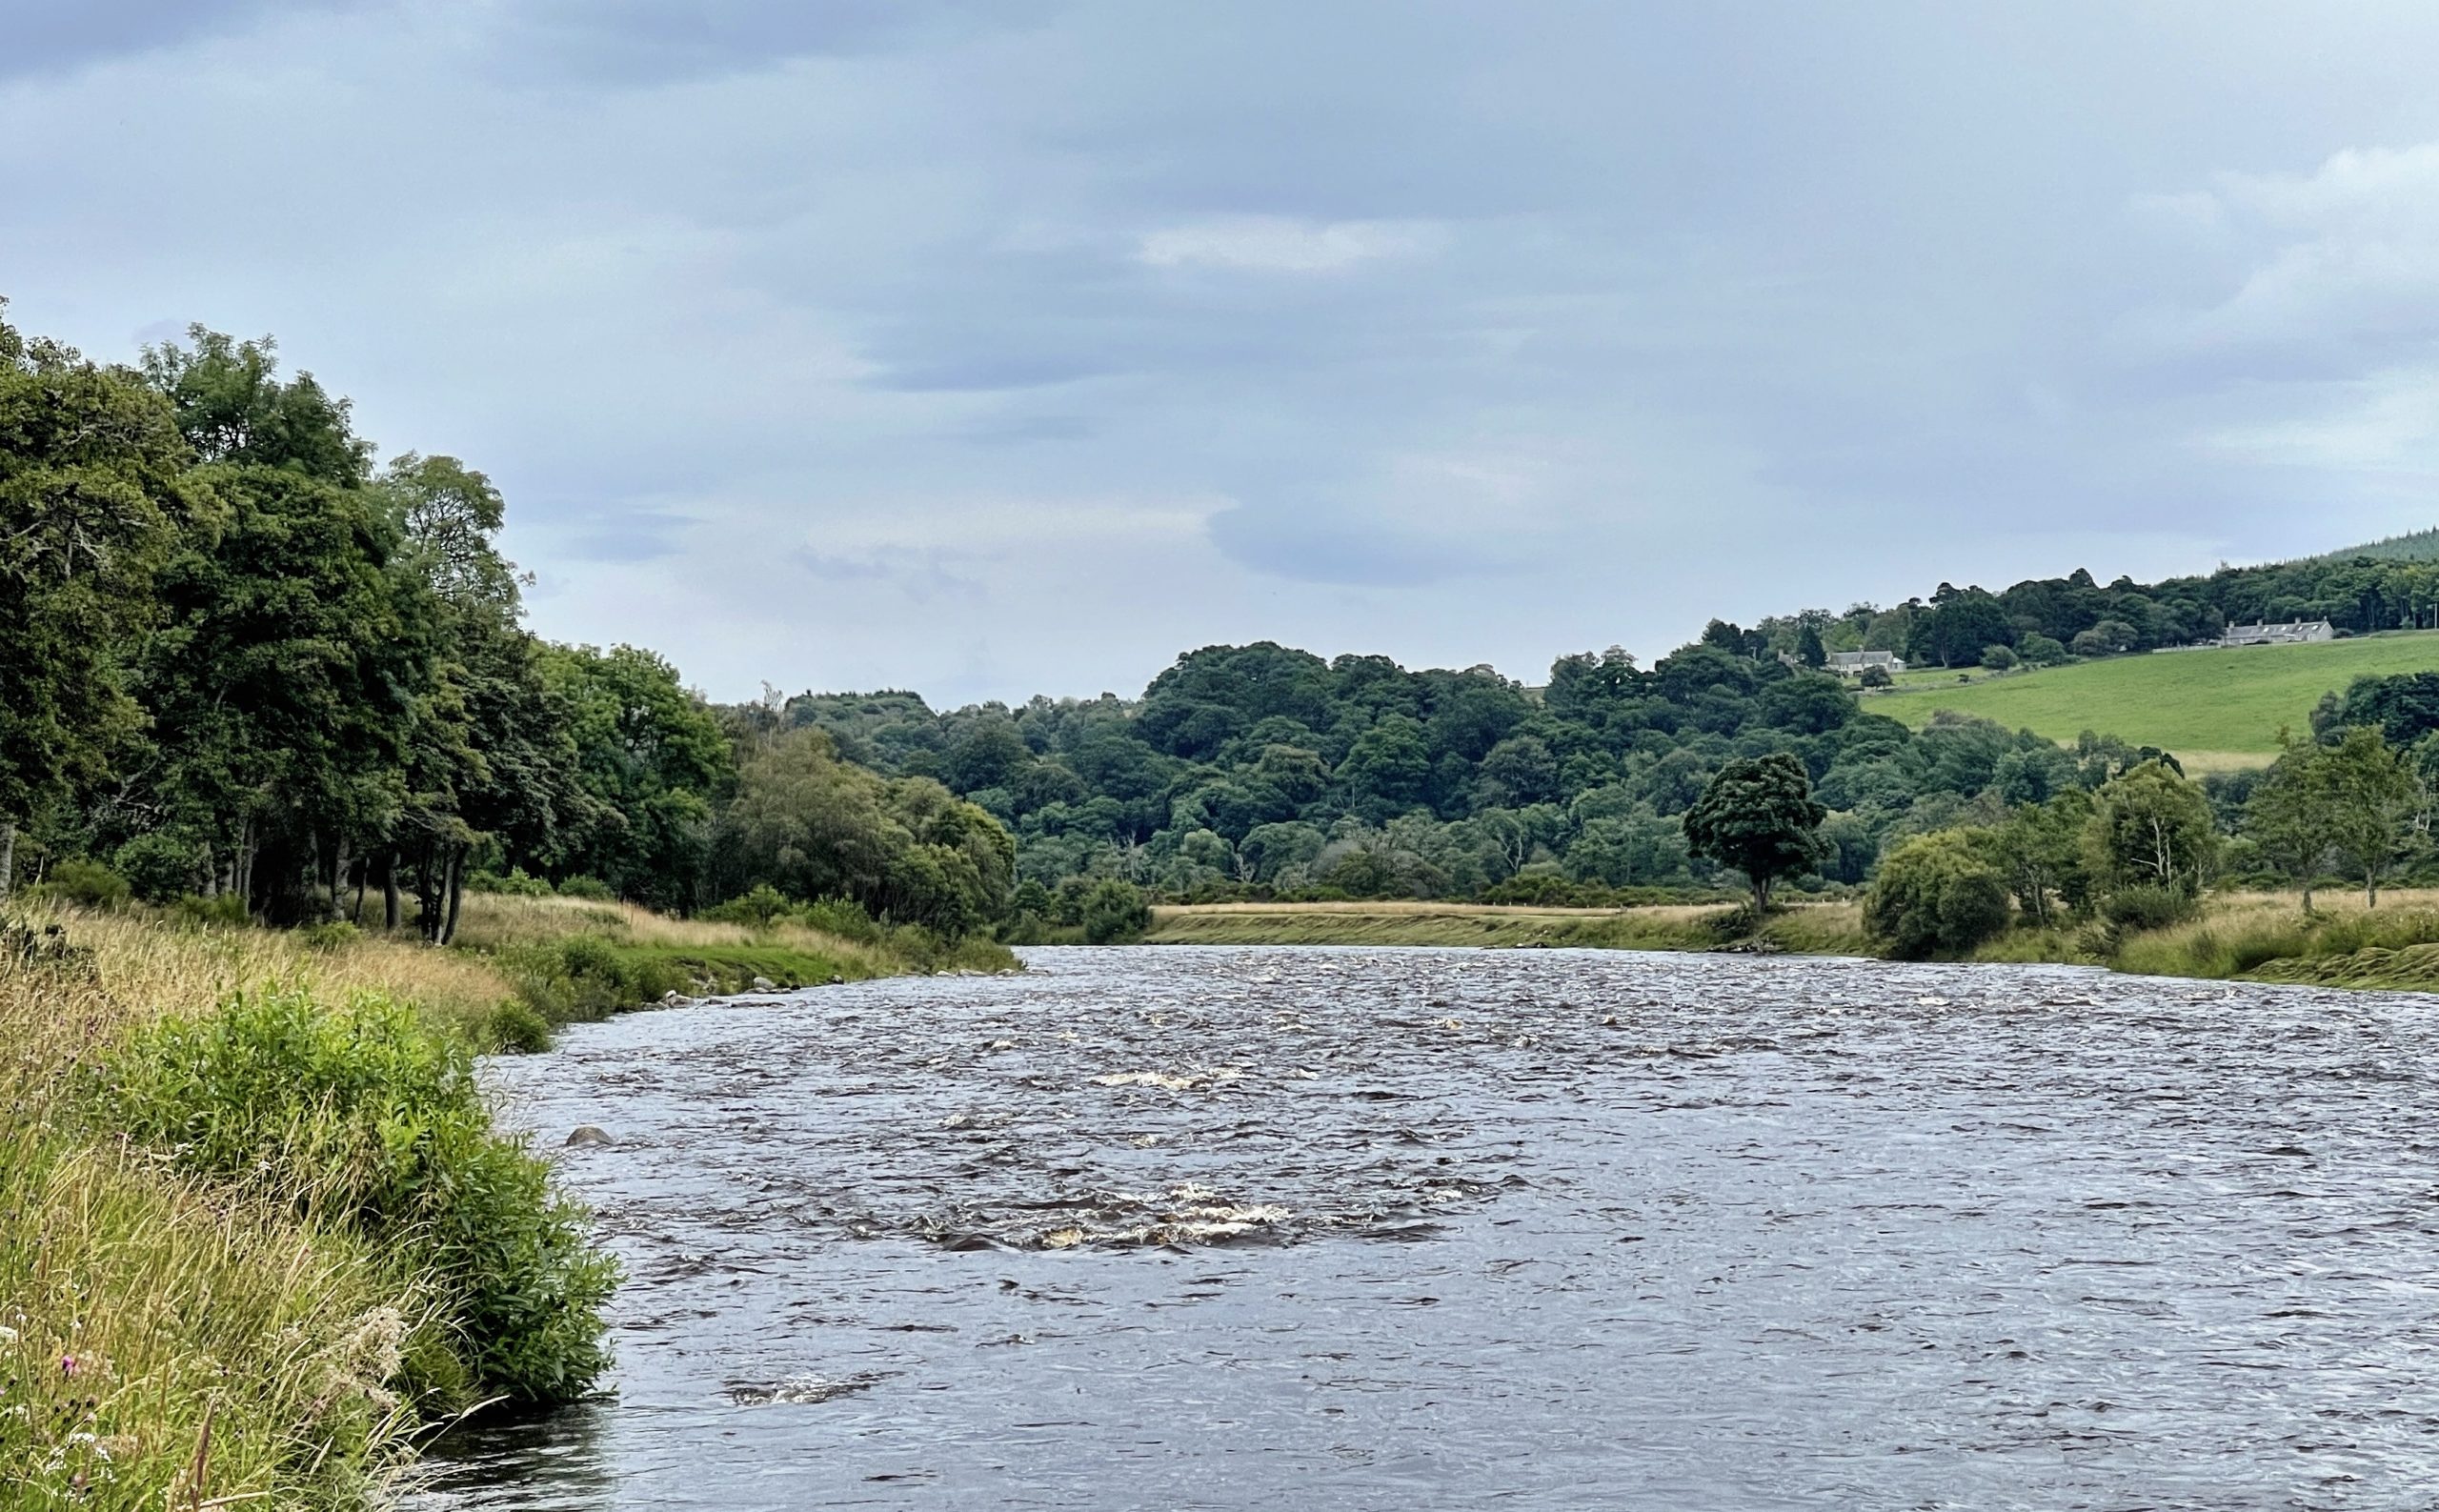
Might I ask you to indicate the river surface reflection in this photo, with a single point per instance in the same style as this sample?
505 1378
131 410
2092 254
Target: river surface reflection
1236 1228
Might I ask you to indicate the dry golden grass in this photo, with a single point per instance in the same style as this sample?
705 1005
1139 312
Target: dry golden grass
148 968
1823 928
492 922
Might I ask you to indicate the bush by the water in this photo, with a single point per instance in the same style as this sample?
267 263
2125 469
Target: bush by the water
362 1119
1936 895
1116 912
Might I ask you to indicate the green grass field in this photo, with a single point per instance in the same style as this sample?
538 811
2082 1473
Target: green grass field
2215 709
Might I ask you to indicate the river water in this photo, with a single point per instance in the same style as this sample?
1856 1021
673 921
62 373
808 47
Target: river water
1307 1228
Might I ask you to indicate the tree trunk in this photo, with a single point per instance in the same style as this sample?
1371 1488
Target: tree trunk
457 893
7 856
2371 889
338 877
2308 897
390 901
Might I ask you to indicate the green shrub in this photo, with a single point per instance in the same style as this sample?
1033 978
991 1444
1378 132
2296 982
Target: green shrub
758 908
336 934
158 867
843 916
1936 895
1116 914
517 1028
88 884
362 1118
2147 905
515 884
228 911
592 889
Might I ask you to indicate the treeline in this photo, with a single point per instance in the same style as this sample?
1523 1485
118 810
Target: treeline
2044 622
1260 771
2354 802
247 671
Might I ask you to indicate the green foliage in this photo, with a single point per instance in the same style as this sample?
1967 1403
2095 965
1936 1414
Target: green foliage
514 884
2148 905
361 1119
805 825
94 489
224 912
1115 914
87 884
758 909
591 888
335 936
158 866
2151 827
1937 895
1758 815
517 1028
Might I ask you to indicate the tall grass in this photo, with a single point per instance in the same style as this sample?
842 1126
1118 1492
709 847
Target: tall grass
174 1334
2270 937
573 960
1827 928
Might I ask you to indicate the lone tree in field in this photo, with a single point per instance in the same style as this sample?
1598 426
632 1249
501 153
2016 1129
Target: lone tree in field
1758 815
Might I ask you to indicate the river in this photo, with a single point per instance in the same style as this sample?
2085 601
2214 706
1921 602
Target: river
1310 1228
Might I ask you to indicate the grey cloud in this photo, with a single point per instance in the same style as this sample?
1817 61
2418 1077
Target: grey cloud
1685 309
653 41
44 36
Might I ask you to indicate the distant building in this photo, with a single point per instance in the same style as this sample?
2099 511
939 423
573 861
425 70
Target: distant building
1855 663
2292 633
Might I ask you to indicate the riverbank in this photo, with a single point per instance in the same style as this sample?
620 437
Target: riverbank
1812 929
2255 937
256 1231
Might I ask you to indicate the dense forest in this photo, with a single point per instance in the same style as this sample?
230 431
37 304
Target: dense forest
245 667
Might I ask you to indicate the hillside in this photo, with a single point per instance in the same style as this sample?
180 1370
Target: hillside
2215 709
2413 546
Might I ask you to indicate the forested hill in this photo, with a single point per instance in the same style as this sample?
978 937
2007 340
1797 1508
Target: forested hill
2388 585
1262 769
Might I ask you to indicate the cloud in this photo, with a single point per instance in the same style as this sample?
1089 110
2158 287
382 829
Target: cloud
2347 253
2387 423
1276 244
645 42
44 36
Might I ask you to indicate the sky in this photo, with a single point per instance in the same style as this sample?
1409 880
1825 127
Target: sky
991 348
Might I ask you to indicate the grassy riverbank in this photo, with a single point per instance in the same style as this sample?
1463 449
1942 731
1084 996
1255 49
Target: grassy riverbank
2259 937
1826 929
255 1229
569 960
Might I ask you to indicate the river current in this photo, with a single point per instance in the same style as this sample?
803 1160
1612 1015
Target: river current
1336 1228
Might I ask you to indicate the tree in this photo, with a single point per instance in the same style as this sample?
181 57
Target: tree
2151 827
92 490
1809 648
1758 815
2366 794
1115 913
1386 768
654 761
1936 894
2284 816
2040 850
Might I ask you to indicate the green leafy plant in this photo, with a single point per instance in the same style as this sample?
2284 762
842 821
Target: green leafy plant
361 1119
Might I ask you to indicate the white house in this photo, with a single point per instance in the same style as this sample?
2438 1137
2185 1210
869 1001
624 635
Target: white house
2294 632
1855 663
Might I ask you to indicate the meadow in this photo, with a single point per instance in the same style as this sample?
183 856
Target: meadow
2217 709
